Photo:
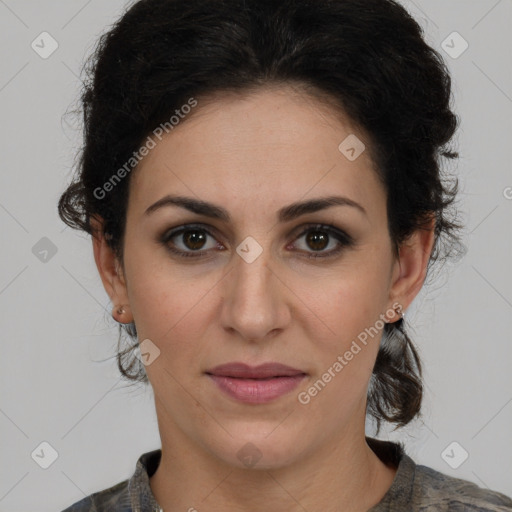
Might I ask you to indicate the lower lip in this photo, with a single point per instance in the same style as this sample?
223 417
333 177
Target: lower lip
257 391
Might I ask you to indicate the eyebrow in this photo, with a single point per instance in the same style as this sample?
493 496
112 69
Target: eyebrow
285 214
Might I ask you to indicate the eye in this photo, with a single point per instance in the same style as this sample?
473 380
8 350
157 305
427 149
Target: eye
318 237
191 241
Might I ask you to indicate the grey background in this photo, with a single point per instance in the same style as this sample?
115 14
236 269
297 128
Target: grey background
59 382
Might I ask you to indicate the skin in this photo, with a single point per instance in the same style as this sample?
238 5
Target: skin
253 155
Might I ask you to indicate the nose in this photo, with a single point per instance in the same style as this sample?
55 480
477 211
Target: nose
255 304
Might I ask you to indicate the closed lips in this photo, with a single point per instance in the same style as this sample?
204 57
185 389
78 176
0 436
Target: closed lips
263 371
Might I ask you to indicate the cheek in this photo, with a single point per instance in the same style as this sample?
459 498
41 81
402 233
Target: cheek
171 306
350 299
346 327
349 316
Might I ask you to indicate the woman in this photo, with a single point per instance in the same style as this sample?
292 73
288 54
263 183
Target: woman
262 183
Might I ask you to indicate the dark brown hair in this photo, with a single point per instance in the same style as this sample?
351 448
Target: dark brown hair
367 56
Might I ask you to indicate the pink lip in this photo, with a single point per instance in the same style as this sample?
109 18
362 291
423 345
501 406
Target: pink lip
258 384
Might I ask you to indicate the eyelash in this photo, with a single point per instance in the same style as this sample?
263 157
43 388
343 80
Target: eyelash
344 240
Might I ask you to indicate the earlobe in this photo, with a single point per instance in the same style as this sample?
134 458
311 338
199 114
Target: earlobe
411 267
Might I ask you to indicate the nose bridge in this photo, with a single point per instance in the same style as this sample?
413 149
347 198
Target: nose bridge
251 278
252 305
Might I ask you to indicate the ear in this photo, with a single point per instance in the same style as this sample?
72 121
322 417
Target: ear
410 269
108 266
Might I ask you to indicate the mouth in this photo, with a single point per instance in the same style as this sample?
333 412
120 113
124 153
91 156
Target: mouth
256 385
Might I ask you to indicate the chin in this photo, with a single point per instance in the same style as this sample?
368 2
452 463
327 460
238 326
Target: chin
251 449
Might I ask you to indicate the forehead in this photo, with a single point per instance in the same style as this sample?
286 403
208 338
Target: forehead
267 148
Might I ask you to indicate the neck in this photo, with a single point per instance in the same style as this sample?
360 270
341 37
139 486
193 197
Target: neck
344 474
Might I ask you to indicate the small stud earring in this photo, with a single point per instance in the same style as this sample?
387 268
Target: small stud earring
119 311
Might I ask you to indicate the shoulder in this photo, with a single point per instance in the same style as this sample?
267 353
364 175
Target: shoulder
442 492
421 488
114 498
130 494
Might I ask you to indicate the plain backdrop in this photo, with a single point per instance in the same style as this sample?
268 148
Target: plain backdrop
59 382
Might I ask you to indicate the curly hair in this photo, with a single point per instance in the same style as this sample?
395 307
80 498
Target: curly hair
368 58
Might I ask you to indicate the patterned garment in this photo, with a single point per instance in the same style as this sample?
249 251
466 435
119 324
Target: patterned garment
415 488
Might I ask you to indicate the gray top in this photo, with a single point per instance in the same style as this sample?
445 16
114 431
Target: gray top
414 488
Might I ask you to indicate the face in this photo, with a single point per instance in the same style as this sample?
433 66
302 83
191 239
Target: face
251 280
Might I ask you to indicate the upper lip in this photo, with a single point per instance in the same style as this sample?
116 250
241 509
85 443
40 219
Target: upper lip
262 371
